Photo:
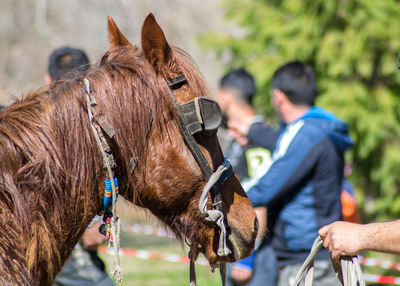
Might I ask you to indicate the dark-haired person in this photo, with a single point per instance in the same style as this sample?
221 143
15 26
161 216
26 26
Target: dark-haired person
235 96
83 267
63 60
301 188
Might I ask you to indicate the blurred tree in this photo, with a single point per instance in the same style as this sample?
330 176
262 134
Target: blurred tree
352 45
31 30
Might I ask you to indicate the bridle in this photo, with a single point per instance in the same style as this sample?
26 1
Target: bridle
198 115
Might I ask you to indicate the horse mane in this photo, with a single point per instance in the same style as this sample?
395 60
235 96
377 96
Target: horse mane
51 167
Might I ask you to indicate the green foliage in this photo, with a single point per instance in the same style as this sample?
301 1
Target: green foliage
352 46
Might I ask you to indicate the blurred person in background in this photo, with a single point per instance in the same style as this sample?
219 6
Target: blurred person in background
84 266
235 96
301 188
350 209
63 60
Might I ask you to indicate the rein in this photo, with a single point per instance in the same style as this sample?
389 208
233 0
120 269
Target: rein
203 114
349 274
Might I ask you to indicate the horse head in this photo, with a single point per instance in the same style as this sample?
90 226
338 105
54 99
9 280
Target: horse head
166 177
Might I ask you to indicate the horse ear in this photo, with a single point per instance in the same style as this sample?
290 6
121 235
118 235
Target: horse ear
115 37
154 45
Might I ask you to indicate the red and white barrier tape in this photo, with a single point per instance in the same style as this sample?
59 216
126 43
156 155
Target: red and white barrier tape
144 254
382 279
379 263
150 255
161 232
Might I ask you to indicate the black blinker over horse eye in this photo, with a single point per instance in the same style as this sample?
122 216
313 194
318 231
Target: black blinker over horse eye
202 114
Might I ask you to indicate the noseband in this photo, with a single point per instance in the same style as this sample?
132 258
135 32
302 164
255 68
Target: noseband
203 114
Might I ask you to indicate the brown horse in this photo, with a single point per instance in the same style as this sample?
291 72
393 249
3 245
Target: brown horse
51 169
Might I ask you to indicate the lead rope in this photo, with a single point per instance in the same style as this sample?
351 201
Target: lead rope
219 176
102 143
350 274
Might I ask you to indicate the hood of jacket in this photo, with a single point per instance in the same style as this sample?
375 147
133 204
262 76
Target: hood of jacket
336 129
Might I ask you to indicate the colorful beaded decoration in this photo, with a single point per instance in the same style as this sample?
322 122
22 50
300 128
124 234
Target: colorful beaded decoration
106 210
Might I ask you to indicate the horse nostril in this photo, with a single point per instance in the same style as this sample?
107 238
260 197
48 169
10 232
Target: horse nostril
255 225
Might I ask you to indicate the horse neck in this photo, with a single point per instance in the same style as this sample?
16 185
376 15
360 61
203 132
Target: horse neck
53 182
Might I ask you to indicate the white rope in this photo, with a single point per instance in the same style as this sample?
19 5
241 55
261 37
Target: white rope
115 227
215 215
350 273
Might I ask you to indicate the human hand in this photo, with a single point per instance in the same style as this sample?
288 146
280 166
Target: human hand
92 238
242 270
240 275
238 131
343 239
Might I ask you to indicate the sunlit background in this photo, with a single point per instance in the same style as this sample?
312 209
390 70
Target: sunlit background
30 30
351 44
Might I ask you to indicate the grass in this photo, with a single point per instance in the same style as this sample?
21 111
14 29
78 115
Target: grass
143 272
139 272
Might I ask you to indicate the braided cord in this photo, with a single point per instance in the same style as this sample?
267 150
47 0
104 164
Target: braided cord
350 273
115 222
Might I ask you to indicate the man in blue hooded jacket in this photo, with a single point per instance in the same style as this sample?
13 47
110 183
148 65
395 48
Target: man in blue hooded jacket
301 187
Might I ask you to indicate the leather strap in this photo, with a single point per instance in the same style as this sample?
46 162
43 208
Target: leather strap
201 114
176 82
193 146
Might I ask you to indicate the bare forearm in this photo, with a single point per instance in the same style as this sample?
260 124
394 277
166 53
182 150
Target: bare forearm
383 237
343 238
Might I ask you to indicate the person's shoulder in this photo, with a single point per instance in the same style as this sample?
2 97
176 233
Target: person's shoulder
312 131
259 126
